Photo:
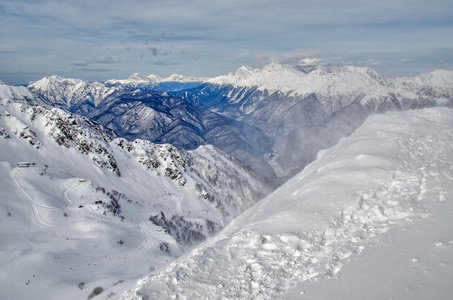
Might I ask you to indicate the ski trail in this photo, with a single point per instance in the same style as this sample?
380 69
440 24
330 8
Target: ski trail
31 202
33 247
67 191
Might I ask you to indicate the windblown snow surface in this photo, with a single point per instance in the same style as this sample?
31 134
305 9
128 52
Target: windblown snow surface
369 219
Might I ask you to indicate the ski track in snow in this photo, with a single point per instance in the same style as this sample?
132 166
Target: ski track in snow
94 216
396 168
33 204
22 255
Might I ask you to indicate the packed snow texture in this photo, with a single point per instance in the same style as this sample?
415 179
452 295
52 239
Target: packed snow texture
391 179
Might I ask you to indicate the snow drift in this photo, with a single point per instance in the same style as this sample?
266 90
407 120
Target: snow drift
395 172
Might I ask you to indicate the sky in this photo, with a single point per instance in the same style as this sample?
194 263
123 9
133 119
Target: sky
101 40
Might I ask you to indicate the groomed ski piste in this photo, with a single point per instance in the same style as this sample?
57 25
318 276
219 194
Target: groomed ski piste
369 219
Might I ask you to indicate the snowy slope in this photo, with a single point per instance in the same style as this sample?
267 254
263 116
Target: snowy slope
90 207
354 209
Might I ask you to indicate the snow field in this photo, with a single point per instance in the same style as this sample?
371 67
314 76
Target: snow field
390 174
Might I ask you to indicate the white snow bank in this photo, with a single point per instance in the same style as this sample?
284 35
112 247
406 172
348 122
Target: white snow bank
393 173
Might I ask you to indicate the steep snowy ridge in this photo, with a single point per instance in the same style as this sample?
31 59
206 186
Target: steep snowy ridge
437 78
80 205
394 173
437 85
215 176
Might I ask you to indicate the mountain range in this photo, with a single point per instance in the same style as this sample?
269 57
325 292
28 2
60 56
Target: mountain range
259 116
311 110
105 183
78 201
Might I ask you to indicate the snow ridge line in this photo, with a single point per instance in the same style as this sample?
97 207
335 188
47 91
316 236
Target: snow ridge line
252 264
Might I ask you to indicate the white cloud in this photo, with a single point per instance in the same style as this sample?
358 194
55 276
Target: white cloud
105 60
308 62
286 57
405 60
371 62
219 36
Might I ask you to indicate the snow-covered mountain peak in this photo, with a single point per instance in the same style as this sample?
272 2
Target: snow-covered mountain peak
182 78
437 78
271 77
67 91
135 80
139 80
291 79
56 81
140 77
348 71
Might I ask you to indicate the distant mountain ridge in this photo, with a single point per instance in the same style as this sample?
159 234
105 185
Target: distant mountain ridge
311 110
153 82
288 107
335 87
74 95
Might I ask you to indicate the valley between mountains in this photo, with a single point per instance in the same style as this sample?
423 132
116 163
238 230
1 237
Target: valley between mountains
279 182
